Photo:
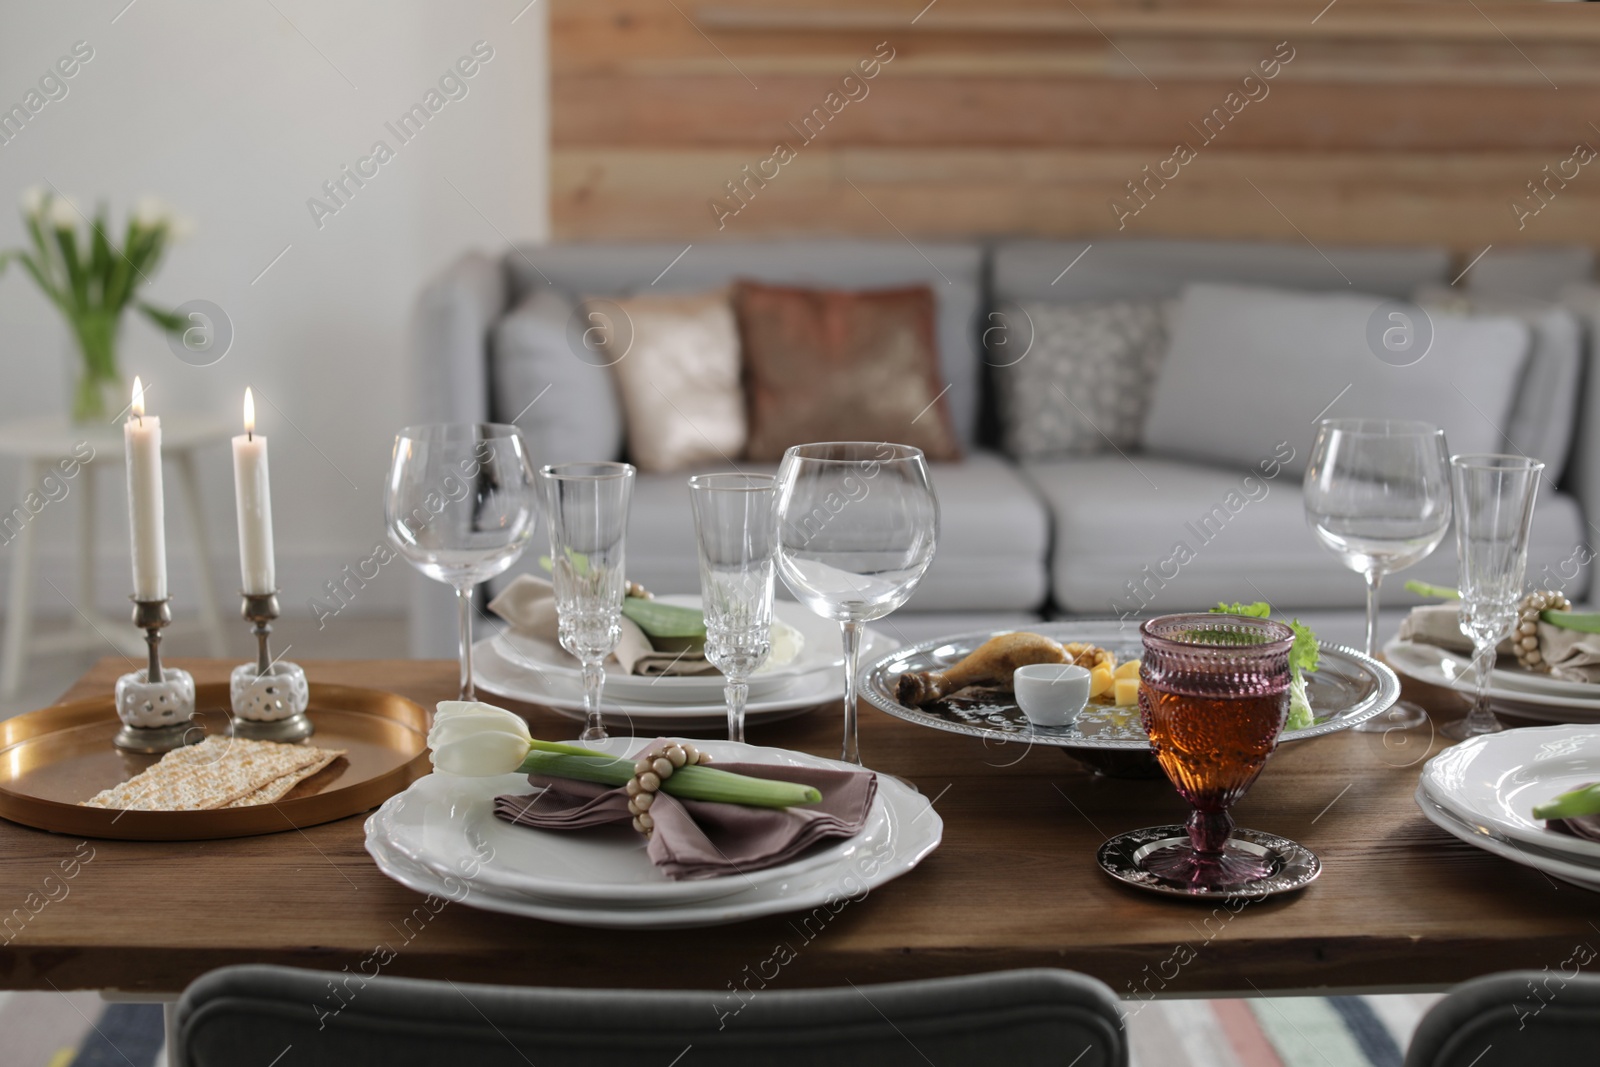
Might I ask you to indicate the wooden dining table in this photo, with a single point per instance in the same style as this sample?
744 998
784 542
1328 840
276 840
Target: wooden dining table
1400 904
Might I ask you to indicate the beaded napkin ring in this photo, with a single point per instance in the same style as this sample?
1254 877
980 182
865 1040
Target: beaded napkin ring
1525 638
652 769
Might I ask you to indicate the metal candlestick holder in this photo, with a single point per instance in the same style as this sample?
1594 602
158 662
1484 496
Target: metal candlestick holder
156 704
269 697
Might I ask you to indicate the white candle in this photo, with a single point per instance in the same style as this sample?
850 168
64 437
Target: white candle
252 493
141 438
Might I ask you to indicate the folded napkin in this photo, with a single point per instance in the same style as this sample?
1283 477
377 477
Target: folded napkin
528 604
702 839
1572 656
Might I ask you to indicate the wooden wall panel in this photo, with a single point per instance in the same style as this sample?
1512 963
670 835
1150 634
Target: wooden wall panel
1405 122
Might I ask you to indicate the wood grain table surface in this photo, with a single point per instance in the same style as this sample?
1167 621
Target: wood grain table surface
1400 904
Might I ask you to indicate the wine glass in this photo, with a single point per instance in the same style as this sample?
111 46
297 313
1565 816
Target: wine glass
736 524
1377 494
459 506
1213 698
857 525
586 510
1494 509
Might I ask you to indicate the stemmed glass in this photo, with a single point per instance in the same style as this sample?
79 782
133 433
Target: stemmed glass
1494 509
736 524
1213 699
586 511
459 506
1377 493
857 525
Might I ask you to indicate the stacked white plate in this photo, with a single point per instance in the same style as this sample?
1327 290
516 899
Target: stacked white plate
441 837
1522 693
1484 791
541 672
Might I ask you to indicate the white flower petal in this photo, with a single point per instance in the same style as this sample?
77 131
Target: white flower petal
64 213
460 726
149 212
481 754
33 200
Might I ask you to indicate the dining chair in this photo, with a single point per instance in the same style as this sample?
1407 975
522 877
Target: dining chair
1512 1020
251 1014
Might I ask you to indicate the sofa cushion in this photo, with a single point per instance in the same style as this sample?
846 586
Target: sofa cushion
1152 269
1248 369
1120 522
953 271
993 538
1544 411
676 366
451 323
1539 271
835 365
566 406
1082 384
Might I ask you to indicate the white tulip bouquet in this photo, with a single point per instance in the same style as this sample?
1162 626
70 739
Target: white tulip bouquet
92 280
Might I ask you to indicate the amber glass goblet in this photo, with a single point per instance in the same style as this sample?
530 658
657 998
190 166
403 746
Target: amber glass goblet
1213 698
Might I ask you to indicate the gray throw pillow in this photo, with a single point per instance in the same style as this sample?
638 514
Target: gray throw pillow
1083 385
1544 414
566 406
1250 369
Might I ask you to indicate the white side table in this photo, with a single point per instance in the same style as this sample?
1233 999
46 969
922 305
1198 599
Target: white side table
41 443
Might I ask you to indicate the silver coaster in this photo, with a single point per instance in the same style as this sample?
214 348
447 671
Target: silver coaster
1293 865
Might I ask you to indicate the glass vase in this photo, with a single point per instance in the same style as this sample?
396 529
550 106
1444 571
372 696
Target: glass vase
96 389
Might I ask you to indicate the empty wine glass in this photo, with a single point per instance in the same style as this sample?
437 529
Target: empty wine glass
857 525
736 524
1494 510
1377 493
586 511
459 506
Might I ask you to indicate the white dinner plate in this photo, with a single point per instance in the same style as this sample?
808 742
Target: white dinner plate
1540 860
912 830
820 647
1453 670
447 823
1496 780
496 674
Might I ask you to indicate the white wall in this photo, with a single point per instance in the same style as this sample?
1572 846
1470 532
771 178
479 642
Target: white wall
236 114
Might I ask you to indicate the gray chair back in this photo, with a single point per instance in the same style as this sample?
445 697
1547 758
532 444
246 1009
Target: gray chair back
1514 1019
251 1014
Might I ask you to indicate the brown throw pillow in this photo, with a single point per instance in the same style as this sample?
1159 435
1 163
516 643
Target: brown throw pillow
824 365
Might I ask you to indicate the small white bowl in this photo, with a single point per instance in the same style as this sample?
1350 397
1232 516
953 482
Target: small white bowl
1051 694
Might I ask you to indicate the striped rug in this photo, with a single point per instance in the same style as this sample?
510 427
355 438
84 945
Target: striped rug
81 1030
1275 1031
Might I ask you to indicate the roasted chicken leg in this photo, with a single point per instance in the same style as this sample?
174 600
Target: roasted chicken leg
991 663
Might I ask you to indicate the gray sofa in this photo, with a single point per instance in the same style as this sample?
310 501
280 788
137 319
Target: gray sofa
498 338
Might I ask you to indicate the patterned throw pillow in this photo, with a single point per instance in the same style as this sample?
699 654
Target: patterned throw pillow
1084 384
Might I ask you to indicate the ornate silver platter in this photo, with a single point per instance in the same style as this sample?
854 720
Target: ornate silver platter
1293 865
1347 689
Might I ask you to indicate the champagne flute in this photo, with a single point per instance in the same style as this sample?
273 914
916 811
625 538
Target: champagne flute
459 506
1377 494
736 524
586 510
1494 510
857 526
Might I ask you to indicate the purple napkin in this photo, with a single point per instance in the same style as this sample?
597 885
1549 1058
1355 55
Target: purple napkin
700 838
1584 826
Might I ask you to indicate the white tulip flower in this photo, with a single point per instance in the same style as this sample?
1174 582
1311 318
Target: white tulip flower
64 213
33 200
477 740
149 212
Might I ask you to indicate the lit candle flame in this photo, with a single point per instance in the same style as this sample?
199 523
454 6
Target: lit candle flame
249 413
138 399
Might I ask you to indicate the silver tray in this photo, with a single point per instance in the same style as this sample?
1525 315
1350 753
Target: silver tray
1348 688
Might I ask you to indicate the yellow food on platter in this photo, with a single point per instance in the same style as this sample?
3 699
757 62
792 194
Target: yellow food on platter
992 663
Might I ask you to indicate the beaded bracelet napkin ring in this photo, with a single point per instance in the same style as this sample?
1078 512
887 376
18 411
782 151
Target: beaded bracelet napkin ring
1525 638
649 772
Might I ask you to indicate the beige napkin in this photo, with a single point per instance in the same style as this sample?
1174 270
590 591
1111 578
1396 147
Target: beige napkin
1572 656
702 839
528 604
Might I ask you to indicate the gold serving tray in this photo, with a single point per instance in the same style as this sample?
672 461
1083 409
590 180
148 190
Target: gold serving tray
55 757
